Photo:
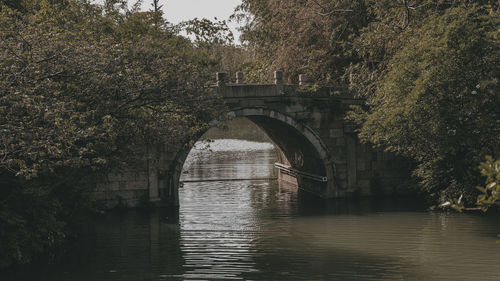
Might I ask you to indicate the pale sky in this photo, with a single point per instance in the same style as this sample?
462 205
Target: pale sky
179 10
176 11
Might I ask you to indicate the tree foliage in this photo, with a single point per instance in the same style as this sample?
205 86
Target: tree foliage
438 101
215 41
427 69
81 87
340 42
490 193
309 37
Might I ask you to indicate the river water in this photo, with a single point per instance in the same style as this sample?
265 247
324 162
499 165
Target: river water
252 230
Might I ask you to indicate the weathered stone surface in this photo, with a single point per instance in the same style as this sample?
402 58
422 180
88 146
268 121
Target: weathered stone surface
308 128
336 133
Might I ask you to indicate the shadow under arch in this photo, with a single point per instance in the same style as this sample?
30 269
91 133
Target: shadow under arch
297 145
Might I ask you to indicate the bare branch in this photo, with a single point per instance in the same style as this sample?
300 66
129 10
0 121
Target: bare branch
407 16
331 12
336 11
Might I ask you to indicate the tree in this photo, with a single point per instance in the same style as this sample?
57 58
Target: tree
437 103
412 61
156 6
340 42
81 87
215 40
310 37
489 194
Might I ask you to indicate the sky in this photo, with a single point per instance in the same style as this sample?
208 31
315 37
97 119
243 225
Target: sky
176 11
179 10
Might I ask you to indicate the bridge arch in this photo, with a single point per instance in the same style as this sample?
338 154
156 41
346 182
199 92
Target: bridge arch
297 145
306 124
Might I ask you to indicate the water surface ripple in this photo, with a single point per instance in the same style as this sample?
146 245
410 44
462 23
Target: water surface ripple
251 230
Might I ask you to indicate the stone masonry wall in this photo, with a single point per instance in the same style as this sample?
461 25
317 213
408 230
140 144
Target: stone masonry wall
315 116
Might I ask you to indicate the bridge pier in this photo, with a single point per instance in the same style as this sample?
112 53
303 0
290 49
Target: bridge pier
351 163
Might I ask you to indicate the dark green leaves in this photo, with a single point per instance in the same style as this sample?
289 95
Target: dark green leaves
438 101
82 90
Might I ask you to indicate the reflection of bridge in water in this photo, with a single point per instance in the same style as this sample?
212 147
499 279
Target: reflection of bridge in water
317 148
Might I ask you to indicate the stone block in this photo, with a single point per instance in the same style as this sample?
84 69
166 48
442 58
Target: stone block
338 162
127 194
318 116
364 156
100 196
125 175
252 103
338 124
377 165
114 176
134 185
101 186
342 175
360 165
330 143
340 141
143 176
323 132
349 128
294 108
114 185
336 133
380 156
302 115
361 148
388 186
364 175
364 187
363 165
339 117
341 168
339 153
342 184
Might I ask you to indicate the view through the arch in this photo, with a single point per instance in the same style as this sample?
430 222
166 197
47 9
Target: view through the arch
235 150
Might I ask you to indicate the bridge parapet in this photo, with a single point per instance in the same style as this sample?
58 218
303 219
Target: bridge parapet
303 89
307 125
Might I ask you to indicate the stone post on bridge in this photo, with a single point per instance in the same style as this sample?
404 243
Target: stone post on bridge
278 77
221 79
278 81
239 78
302 80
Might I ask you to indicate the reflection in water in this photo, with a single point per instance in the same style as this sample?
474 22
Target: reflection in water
229 159
251 230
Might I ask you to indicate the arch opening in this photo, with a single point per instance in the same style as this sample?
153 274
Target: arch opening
297 147
235 150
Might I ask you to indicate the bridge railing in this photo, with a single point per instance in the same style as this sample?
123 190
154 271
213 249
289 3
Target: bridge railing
240 89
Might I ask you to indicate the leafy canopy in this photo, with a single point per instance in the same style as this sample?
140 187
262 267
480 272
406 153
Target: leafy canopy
82 88
438 101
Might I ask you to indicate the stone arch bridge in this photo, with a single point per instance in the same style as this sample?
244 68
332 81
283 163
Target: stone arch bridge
318 150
